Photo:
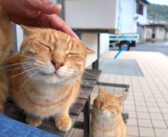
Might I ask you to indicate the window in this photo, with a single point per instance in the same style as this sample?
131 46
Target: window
139 8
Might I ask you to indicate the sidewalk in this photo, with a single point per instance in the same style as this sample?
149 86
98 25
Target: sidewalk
147 103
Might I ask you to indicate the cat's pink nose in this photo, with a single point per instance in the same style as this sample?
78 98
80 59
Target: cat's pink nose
57 64
103 108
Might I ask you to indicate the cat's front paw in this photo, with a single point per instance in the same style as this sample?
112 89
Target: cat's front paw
63 123
1 109
33 121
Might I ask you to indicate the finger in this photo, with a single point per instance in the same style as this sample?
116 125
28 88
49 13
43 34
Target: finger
59 24
51 21
45 6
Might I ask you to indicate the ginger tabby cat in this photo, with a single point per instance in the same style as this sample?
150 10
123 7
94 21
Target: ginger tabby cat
5 46
45 75
107 120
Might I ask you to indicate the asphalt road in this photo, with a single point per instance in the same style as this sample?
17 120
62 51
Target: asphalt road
155 47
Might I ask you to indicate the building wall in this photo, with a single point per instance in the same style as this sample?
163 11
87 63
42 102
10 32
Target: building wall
142 35
148 33
128 17
126 14
142 19
160 33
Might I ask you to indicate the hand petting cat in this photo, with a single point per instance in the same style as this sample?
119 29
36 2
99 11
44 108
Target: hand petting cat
39 13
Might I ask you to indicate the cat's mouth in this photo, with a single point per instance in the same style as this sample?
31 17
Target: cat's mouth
49 74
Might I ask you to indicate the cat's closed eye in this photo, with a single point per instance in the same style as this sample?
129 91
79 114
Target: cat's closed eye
45 44
73 53
109 106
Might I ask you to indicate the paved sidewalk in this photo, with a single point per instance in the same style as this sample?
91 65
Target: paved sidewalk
153 47
147 103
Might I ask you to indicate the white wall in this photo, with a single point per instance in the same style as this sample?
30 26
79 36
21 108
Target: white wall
91 13
126 14
19 36
104 43
148 32
142 19
141 32
160 33
90 40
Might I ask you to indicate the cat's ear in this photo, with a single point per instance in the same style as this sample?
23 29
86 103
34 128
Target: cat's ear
28 30
89 51
123 98
101 91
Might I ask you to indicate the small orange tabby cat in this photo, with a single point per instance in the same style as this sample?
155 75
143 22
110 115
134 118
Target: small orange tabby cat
107 119
5 46
46 75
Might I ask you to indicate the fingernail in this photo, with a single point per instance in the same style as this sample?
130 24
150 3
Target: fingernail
59 5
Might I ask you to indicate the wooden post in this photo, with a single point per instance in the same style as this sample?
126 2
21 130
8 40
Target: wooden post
86 113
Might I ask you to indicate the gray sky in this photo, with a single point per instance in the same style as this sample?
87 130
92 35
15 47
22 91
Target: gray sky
162 2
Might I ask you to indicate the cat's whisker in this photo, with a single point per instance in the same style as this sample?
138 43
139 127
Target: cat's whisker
23 72
69 72
43 67
65 72
16 68
27 57
24 64
4 67
10 68
28 77
40 65
38 61
15 64
19 68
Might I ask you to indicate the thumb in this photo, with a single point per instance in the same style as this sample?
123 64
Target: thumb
45 6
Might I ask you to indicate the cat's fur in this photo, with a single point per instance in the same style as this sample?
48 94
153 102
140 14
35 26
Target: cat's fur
45 75
107 119
5 46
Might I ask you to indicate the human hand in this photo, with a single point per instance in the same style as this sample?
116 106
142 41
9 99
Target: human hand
39 13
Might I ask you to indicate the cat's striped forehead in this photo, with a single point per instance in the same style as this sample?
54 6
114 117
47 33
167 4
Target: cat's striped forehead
58 40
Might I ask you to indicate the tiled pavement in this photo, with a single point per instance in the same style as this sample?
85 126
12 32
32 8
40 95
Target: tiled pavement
147 103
